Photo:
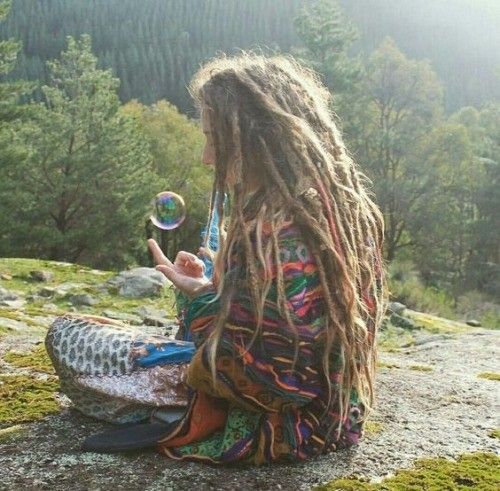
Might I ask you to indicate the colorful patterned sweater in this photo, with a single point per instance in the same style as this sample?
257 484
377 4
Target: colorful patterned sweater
262 409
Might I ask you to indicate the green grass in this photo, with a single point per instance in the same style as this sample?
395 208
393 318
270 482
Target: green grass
475 471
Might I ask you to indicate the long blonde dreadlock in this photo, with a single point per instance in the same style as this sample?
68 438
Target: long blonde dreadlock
270 121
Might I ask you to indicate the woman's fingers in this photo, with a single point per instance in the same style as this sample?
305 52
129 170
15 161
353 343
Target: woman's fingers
188 256
188 284
158 256
190 263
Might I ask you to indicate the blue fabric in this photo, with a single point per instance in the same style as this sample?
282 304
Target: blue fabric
169 352
213 239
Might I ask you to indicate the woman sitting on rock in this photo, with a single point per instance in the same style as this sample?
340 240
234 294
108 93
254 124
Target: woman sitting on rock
283 361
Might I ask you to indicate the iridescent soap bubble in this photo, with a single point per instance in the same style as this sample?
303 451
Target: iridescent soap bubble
169 210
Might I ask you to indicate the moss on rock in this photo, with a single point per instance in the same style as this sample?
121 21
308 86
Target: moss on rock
17 315
489 375
24 398
421 368
393 339
435 324
474 471
494 433
383 364
38 360
12 432
373 427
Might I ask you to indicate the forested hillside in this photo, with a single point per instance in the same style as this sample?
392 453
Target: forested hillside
154 46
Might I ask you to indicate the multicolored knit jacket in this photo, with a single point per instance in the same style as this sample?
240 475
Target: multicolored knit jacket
259 409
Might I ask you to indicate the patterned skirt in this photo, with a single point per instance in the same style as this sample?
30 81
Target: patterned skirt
115 372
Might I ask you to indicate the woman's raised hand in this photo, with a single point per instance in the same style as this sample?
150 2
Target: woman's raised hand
187 272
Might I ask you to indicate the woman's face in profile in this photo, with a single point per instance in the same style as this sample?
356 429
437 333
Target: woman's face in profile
208 155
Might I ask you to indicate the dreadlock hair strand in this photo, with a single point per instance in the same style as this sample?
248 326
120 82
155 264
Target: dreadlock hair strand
272 124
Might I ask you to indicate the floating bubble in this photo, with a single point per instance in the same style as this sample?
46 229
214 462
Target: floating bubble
169 210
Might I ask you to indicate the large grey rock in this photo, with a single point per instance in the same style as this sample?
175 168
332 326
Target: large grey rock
144 311
47 292
6 295
473 323
139 282
83 299
41 275
396 308
65 288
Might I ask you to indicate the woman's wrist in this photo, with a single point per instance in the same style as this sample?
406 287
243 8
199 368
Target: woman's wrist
209 286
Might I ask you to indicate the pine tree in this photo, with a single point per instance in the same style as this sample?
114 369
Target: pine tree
12 117
327 36
85 184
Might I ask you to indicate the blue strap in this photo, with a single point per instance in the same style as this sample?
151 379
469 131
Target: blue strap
170 352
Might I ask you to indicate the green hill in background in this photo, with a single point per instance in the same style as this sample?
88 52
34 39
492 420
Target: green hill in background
154 46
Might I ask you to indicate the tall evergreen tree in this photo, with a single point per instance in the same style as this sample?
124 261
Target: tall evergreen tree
85 186
327 36
12 116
